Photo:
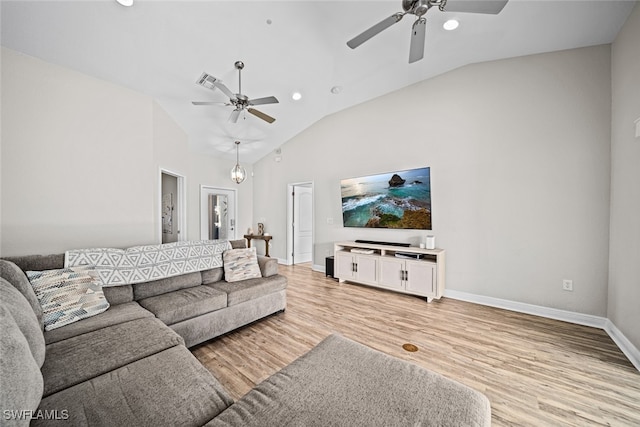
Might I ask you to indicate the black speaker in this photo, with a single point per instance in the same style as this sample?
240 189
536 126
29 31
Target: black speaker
328 267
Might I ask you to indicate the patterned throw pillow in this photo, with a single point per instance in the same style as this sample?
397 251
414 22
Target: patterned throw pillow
240 264
67 295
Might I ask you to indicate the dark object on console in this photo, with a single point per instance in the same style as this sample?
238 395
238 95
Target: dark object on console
373 242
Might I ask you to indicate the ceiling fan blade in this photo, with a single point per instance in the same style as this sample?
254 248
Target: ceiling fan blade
261 115
416 51
234 116
492 7
224 89
207 103
262 101
378 28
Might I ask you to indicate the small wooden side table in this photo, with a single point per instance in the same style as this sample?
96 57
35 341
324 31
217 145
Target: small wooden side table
266 239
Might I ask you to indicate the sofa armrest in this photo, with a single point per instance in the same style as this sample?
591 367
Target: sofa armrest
268 266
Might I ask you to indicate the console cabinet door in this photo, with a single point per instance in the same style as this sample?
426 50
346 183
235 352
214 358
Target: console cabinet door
344 266
421 278
367 269
391 273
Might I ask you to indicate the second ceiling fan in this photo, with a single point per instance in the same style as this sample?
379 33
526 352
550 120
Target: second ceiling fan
419 8
239 101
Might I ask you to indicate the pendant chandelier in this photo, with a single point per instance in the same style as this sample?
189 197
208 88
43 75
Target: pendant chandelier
238 174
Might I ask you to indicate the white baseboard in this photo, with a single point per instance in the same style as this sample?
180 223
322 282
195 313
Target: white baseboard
318 267
629 350
537 310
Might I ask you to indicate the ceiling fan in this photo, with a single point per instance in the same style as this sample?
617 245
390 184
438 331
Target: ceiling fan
419 8
239 101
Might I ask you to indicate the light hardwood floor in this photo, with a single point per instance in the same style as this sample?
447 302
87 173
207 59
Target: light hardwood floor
535 371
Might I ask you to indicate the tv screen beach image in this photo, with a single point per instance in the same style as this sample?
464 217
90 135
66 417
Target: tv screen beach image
391 200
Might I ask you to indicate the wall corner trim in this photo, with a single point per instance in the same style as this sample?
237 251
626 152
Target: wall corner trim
629 350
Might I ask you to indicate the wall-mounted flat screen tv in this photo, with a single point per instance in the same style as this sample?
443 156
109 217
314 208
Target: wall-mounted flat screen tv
400 200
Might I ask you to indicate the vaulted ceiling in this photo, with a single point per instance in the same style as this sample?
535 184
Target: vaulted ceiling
160 48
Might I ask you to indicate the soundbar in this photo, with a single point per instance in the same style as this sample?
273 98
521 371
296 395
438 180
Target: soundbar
373 242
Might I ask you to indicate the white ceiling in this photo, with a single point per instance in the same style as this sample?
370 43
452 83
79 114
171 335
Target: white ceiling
160 48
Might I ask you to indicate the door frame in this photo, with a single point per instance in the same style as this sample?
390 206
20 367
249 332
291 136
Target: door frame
289 258
204 208
181 202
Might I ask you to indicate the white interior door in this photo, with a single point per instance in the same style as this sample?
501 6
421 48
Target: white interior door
217 213
302 224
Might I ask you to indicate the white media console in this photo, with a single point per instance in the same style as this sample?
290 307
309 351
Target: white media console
392 267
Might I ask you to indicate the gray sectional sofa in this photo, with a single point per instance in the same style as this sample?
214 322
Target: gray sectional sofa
130 365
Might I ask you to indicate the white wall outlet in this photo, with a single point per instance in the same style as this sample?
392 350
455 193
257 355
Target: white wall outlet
567 285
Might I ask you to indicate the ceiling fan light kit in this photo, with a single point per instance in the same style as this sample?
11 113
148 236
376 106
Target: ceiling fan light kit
239 101
238 173
419 8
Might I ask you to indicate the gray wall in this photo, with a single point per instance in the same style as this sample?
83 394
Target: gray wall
519 151
81 162
624 266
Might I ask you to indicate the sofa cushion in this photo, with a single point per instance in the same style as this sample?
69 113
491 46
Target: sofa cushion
184 304
67 295
169 284
245 290
341 382
38 262
77 359
268 266
14 275
240 264
170 388
25 319
238 244
22 384
210 325
118 294
212 276
120 313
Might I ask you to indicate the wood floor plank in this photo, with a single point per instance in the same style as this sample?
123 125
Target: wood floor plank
535 371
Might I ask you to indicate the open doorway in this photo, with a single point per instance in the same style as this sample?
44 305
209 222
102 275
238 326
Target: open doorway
300 223
172 207
217 213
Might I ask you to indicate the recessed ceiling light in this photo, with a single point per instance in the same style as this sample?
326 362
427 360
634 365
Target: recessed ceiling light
450 25
336 90
126 3
296 96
